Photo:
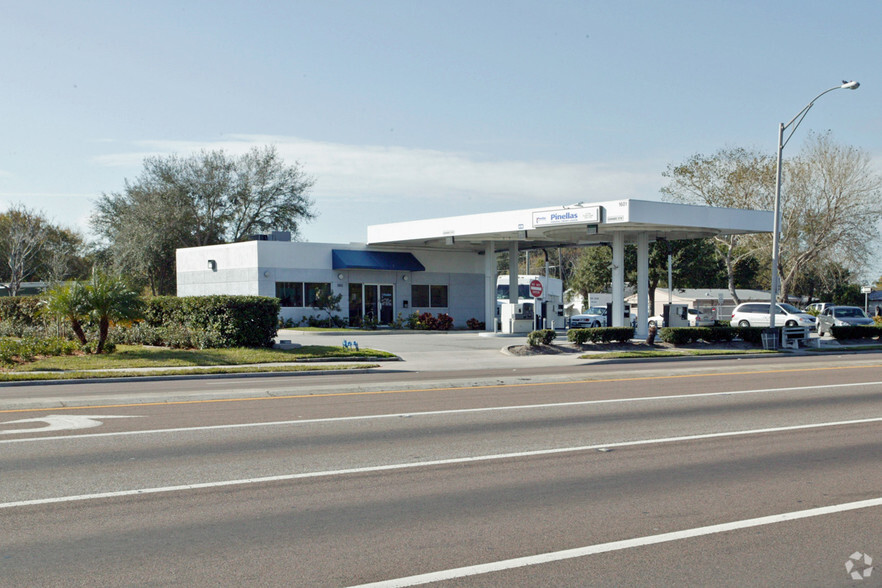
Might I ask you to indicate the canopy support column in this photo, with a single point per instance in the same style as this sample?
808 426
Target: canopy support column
618 280
513 272
489 287
642 286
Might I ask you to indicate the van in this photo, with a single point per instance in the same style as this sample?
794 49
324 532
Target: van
756 314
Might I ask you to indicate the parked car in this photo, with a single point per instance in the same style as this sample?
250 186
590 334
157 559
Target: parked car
756 314
817 307
841 316
699 319
592 317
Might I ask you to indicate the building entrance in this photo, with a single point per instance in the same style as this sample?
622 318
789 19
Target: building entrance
371 302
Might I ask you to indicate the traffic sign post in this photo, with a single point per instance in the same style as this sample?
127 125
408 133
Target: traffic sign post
536 289
865 290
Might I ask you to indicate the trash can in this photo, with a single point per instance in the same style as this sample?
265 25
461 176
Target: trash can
770 338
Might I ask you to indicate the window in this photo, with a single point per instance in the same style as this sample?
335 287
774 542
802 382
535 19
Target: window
439 296
313 289
419 296
290 293
426 296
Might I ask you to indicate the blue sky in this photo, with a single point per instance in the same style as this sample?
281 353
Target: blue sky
403 110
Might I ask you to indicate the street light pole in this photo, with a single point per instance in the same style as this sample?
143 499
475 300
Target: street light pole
776 231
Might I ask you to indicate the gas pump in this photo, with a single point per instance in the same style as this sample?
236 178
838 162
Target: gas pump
675 315
609 315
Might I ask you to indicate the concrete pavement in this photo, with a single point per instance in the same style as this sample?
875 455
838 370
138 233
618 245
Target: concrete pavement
439 350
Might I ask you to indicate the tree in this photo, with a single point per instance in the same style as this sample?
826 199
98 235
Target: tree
730 178
204 199
695 263
22 237
110 299
831 210
592 271
325 300
68 302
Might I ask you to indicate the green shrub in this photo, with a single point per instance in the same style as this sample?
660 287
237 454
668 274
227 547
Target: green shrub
753 335
14 351
20 310
476 325
601 335
541 337
856 332
216 321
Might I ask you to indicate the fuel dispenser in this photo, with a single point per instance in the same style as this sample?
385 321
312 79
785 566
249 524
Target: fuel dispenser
675 315
609 315
549 315
516 318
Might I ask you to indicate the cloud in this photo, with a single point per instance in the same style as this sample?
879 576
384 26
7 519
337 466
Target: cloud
366 173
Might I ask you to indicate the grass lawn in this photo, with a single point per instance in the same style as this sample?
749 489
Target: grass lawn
133 356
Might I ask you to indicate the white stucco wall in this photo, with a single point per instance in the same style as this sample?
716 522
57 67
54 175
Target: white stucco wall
235 270
254 268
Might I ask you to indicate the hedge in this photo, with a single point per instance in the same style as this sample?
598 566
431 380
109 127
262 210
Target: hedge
686 335
218 321
856 332
601 335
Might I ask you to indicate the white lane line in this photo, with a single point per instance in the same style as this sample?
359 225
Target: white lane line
426 464
533 560
437 412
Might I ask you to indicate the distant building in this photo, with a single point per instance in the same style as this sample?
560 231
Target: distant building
26 289
717 302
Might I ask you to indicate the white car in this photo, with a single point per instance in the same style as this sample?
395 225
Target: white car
590 319
756 314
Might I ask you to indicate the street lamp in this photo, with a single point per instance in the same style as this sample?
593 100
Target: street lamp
777 228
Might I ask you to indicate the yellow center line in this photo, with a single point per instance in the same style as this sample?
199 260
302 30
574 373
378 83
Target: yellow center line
451 388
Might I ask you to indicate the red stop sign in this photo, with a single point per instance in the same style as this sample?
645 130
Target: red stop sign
535 288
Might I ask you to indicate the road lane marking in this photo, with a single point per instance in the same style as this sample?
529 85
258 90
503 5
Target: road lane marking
437 412
442 389
532 560
61 422
427 464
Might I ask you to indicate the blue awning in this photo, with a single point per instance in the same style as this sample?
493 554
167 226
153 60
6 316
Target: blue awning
375 260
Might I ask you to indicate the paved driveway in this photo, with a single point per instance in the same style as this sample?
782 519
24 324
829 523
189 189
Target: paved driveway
437 350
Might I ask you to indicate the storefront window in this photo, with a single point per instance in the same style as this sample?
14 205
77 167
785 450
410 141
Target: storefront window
427 296
439 296
313 289
290 293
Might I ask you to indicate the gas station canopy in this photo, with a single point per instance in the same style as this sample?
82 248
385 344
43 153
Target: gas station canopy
615 223
572 225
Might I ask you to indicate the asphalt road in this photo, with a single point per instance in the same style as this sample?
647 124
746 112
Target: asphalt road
695 473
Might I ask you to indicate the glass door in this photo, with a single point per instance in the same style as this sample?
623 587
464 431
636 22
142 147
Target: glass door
356 305
386 304
371 303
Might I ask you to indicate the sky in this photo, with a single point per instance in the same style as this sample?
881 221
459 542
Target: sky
406 109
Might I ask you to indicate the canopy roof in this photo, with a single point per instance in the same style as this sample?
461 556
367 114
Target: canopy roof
576 224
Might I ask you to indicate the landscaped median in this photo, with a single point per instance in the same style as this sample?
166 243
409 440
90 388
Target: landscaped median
618 342
138 360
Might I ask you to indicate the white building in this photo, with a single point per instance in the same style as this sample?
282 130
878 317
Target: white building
449 264
376 282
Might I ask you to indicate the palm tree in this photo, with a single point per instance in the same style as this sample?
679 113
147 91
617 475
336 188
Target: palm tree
110 299
68 301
